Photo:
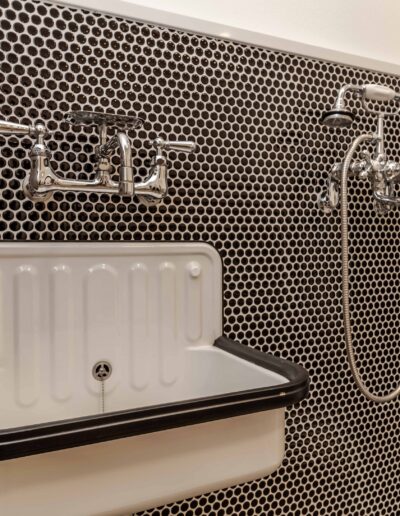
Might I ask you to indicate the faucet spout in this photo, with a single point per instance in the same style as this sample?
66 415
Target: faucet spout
125 170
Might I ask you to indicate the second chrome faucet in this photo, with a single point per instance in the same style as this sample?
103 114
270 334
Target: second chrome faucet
42 181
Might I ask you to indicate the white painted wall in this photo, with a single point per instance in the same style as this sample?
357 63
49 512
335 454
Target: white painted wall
360 32
344 25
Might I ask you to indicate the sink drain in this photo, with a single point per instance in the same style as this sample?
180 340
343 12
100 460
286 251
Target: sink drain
102 370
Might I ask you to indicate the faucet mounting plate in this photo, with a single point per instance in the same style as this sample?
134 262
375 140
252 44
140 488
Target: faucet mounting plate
108 119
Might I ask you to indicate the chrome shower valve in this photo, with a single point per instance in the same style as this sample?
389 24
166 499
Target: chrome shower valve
382 174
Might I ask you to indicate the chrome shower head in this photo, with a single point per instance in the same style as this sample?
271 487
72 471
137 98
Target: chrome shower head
337 118
339 115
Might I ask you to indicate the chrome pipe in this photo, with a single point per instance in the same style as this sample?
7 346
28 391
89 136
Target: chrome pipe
340 103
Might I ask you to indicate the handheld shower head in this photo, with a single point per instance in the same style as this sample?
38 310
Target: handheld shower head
337 118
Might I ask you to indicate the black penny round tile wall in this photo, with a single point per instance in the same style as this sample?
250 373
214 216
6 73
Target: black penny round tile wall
251 191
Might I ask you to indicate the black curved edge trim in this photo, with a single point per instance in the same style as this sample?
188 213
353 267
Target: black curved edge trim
337 112
70 433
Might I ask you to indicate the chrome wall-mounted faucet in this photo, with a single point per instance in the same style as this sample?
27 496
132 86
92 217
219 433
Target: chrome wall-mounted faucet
42 181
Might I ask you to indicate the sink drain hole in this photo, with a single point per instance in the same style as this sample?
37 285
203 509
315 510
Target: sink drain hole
102 370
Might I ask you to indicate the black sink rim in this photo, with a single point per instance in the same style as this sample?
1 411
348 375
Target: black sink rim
69 433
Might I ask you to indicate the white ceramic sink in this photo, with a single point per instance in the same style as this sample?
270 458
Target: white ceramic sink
184 410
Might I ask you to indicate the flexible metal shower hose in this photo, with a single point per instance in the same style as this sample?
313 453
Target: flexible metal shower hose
345 277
